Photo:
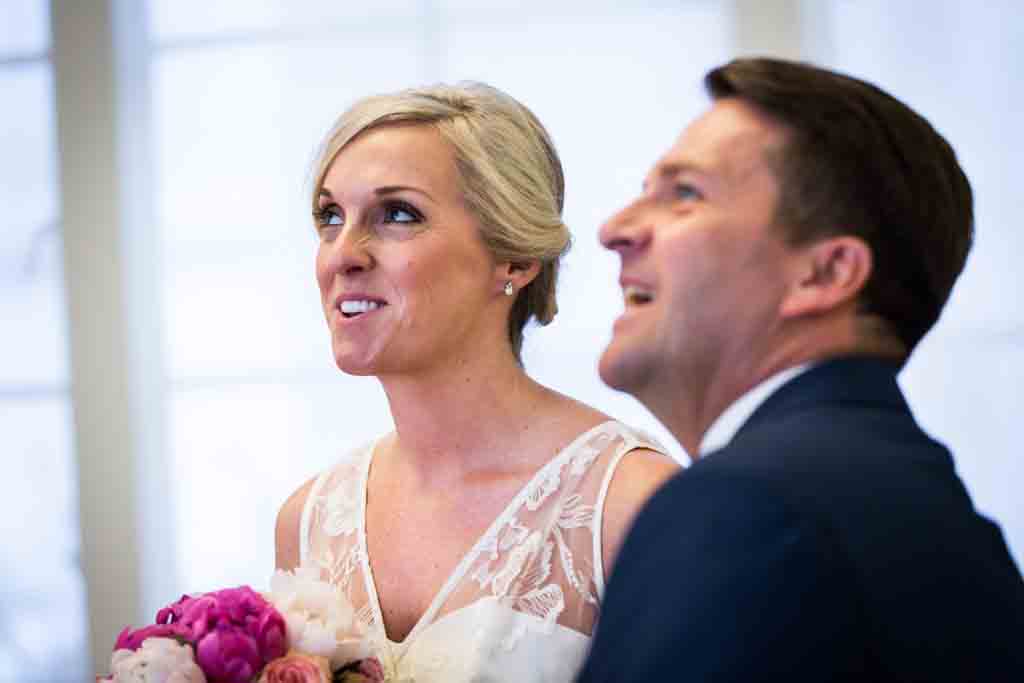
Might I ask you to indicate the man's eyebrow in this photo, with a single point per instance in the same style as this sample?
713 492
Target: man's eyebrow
670 170
675 168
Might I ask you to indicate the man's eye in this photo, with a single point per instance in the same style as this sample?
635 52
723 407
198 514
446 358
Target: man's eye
686 191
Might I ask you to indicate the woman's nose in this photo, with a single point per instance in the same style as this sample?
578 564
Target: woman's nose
350 252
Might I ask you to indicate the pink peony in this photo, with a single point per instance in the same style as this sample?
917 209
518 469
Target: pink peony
295 667
229 655
132 639
234 631
241 607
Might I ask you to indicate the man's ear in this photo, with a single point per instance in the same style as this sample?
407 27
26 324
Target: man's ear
827 274
519 273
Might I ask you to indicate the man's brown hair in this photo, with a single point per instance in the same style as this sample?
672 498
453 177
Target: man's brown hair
859 162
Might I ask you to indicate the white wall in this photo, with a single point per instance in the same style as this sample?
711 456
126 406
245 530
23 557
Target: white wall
960 64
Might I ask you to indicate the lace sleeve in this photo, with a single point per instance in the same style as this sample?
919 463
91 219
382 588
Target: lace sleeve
307 509
631 440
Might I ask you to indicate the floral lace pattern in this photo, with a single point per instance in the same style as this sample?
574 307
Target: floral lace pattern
522 603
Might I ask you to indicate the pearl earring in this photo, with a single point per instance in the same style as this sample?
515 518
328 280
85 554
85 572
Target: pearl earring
509 289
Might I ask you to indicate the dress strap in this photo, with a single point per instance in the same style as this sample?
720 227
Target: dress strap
632 439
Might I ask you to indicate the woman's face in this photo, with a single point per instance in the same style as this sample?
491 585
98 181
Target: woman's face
406 282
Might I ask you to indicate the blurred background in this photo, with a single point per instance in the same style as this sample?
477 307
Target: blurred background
165 373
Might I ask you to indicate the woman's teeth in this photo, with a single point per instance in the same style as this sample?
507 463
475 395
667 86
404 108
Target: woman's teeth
357 307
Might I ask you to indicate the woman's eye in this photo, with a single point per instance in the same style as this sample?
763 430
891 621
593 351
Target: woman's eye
328 216
401 214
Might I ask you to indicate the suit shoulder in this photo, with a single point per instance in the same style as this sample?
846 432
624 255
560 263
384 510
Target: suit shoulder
716 489
831 441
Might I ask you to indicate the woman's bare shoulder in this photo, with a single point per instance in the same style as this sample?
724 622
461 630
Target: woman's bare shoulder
640 473
289 519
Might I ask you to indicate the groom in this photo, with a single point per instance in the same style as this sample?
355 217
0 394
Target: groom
784 258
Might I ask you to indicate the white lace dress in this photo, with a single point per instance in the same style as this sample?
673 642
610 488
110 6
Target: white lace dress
521 604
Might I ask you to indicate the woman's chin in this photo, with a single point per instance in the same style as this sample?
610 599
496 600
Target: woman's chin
355 363
351 366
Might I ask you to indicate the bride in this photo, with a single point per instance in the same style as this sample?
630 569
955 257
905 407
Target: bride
474 541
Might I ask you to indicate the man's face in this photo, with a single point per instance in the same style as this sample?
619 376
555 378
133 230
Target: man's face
702 263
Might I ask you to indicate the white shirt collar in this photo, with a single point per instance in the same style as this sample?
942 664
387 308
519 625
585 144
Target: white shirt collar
724 428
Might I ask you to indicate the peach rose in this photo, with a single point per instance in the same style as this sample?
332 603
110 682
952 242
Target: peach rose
296 667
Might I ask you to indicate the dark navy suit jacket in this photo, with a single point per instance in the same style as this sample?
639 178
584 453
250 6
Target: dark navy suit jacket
831 540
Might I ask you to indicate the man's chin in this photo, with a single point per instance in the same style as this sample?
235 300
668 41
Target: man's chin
615 369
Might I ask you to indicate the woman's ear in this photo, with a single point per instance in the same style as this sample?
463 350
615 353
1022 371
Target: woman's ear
827 274
518 273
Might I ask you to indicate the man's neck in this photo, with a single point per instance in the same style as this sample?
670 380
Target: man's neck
690 413
736 414
689 400
687 403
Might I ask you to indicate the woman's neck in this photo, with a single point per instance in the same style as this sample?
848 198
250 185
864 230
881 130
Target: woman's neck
465 417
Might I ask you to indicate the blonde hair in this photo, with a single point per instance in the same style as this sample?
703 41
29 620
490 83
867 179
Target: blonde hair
510 174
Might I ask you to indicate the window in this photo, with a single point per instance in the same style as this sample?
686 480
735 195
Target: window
42 611
241 92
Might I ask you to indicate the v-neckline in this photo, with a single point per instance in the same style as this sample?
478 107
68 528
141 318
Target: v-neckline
474 551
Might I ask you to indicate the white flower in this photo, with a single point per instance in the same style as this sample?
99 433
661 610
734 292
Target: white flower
320 619
158 660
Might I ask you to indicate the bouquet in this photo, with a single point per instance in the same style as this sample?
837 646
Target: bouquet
301 631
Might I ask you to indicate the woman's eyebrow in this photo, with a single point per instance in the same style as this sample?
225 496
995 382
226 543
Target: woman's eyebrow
382 191
391 189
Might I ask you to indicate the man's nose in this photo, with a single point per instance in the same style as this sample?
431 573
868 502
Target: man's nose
628 230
